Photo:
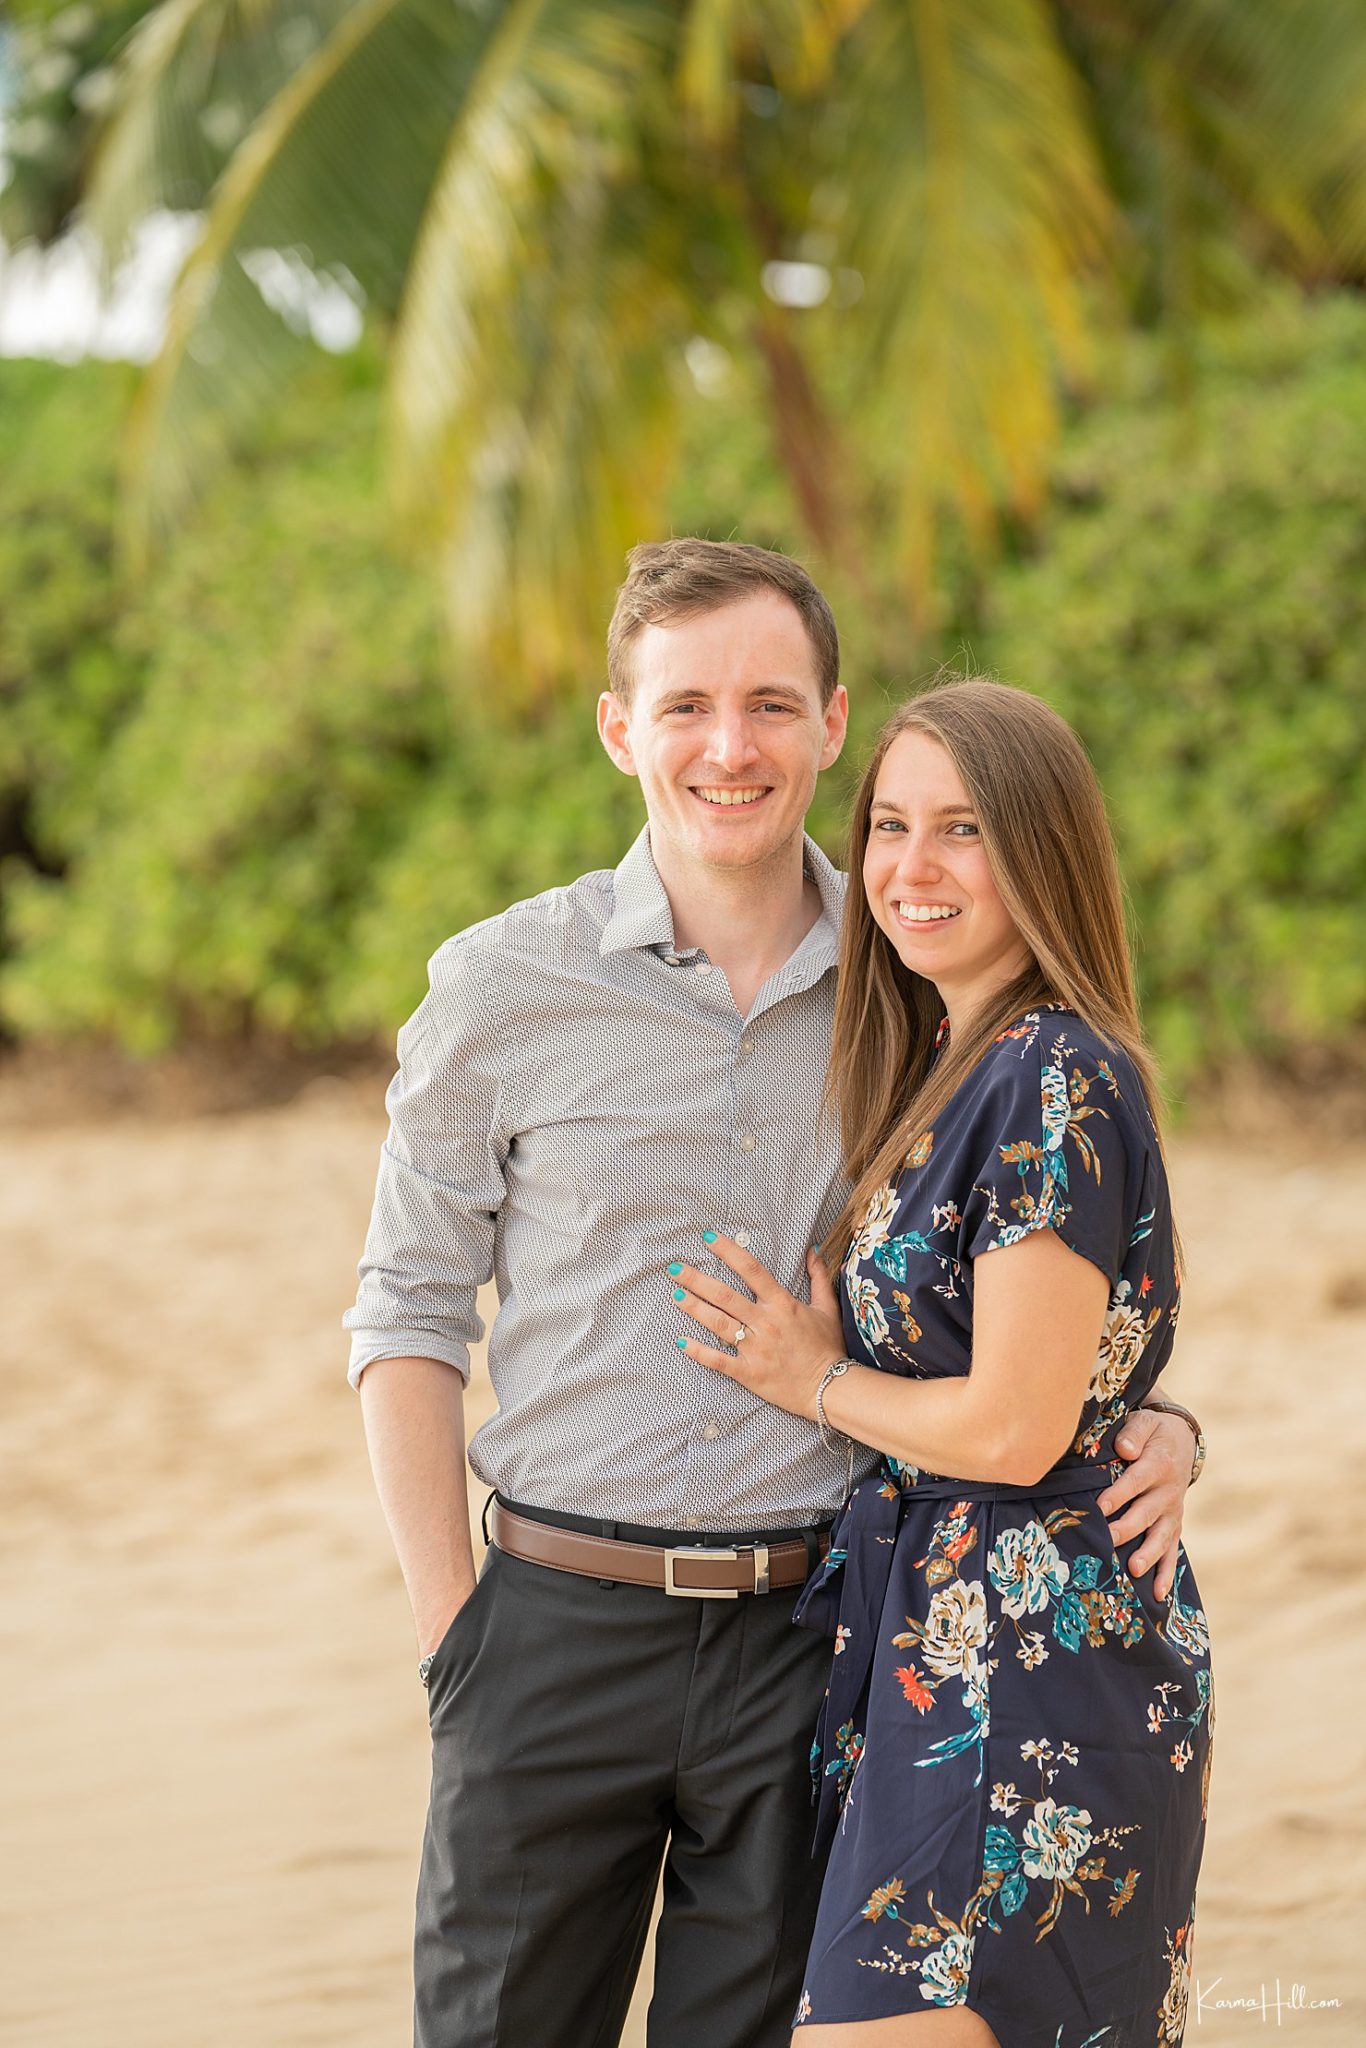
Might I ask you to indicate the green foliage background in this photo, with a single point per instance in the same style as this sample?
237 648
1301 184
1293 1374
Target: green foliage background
250 798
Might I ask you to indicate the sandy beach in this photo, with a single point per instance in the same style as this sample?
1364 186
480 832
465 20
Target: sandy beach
215 1742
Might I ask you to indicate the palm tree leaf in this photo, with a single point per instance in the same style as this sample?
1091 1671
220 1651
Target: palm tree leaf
191 79
569 473
533 416
788 44
979 222
333 179
1235 138
548 197
1280 90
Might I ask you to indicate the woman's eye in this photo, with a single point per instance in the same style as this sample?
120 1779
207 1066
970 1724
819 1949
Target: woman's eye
959 825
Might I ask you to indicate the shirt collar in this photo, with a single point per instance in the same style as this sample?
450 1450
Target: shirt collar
641 915
640 909
832 884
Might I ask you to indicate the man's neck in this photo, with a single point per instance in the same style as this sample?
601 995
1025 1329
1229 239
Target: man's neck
748 921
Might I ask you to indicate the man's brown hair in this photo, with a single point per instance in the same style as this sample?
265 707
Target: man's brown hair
669 580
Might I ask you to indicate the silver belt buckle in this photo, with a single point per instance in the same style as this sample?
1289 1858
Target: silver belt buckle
758 1551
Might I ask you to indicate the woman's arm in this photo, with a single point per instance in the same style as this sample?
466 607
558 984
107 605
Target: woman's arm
1038 1312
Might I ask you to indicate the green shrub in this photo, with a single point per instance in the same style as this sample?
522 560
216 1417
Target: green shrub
249 797
1199 613
66 678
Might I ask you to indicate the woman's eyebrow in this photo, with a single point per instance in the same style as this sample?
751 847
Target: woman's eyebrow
883 803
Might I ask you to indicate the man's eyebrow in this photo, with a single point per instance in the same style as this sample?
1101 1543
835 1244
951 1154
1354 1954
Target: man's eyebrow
793 692
883 803
681 695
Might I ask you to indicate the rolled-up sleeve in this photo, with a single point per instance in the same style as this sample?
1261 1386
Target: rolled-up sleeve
430 1245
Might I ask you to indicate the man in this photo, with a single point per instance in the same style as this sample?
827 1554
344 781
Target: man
595 1078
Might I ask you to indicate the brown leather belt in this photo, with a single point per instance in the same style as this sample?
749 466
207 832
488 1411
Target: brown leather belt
694 1571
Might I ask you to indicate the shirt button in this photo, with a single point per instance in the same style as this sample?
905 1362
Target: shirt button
746 1143
710 1430
672 959
747 1044
741 1238
704 967
692 1521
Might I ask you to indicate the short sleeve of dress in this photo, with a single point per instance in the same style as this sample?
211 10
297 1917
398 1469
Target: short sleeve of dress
1053 1142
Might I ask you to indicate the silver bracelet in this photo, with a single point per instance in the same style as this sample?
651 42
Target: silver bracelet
823 1424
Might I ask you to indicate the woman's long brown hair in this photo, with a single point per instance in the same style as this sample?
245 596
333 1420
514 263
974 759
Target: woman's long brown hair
1051 853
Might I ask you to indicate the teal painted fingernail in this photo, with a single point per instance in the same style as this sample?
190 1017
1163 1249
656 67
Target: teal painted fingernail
815 1248
681 1342
679 1295
676 1269
709 1237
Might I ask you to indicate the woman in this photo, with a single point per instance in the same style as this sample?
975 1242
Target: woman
1013 1759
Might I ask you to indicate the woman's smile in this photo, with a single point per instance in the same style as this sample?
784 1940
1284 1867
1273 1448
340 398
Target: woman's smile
925 913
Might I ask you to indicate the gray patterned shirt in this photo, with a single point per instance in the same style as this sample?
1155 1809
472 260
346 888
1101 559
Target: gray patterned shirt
577 1100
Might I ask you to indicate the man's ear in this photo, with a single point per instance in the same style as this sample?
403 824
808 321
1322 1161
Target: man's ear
836 725
614 732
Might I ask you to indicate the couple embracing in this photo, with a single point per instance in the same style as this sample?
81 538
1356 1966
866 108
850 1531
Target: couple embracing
836 1269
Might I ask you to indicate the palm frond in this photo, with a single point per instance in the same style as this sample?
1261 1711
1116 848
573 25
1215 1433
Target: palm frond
979 222
1234 134
332 180
1280 93
788 46
189 82
547 198
532 409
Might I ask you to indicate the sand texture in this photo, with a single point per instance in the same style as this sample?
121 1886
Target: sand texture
215 1744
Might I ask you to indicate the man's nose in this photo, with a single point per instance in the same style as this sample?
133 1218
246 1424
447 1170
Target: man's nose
730 743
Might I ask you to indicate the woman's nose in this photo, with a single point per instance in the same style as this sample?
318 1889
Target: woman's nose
919 861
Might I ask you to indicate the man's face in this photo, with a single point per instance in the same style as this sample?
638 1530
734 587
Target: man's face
725 731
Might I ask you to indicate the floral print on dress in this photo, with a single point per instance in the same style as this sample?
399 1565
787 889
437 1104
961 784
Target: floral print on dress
1058 1846
980 1764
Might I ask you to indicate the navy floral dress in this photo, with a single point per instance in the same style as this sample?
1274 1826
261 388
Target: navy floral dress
1013 1759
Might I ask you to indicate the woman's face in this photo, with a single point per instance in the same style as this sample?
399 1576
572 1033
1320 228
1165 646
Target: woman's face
927 880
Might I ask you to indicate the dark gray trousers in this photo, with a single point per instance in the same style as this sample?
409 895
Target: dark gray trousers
582 1734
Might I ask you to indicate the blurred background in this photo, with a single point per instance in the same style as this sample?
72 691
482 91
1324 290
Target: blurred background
345 347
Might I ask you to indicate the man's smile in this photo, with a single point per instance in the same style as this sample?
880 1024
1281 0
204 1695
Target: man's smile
730 799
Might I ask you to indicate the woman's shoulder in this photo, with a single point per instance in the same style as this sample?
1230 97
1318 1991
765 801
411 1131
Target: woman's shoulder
1051 1048
1046 1035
